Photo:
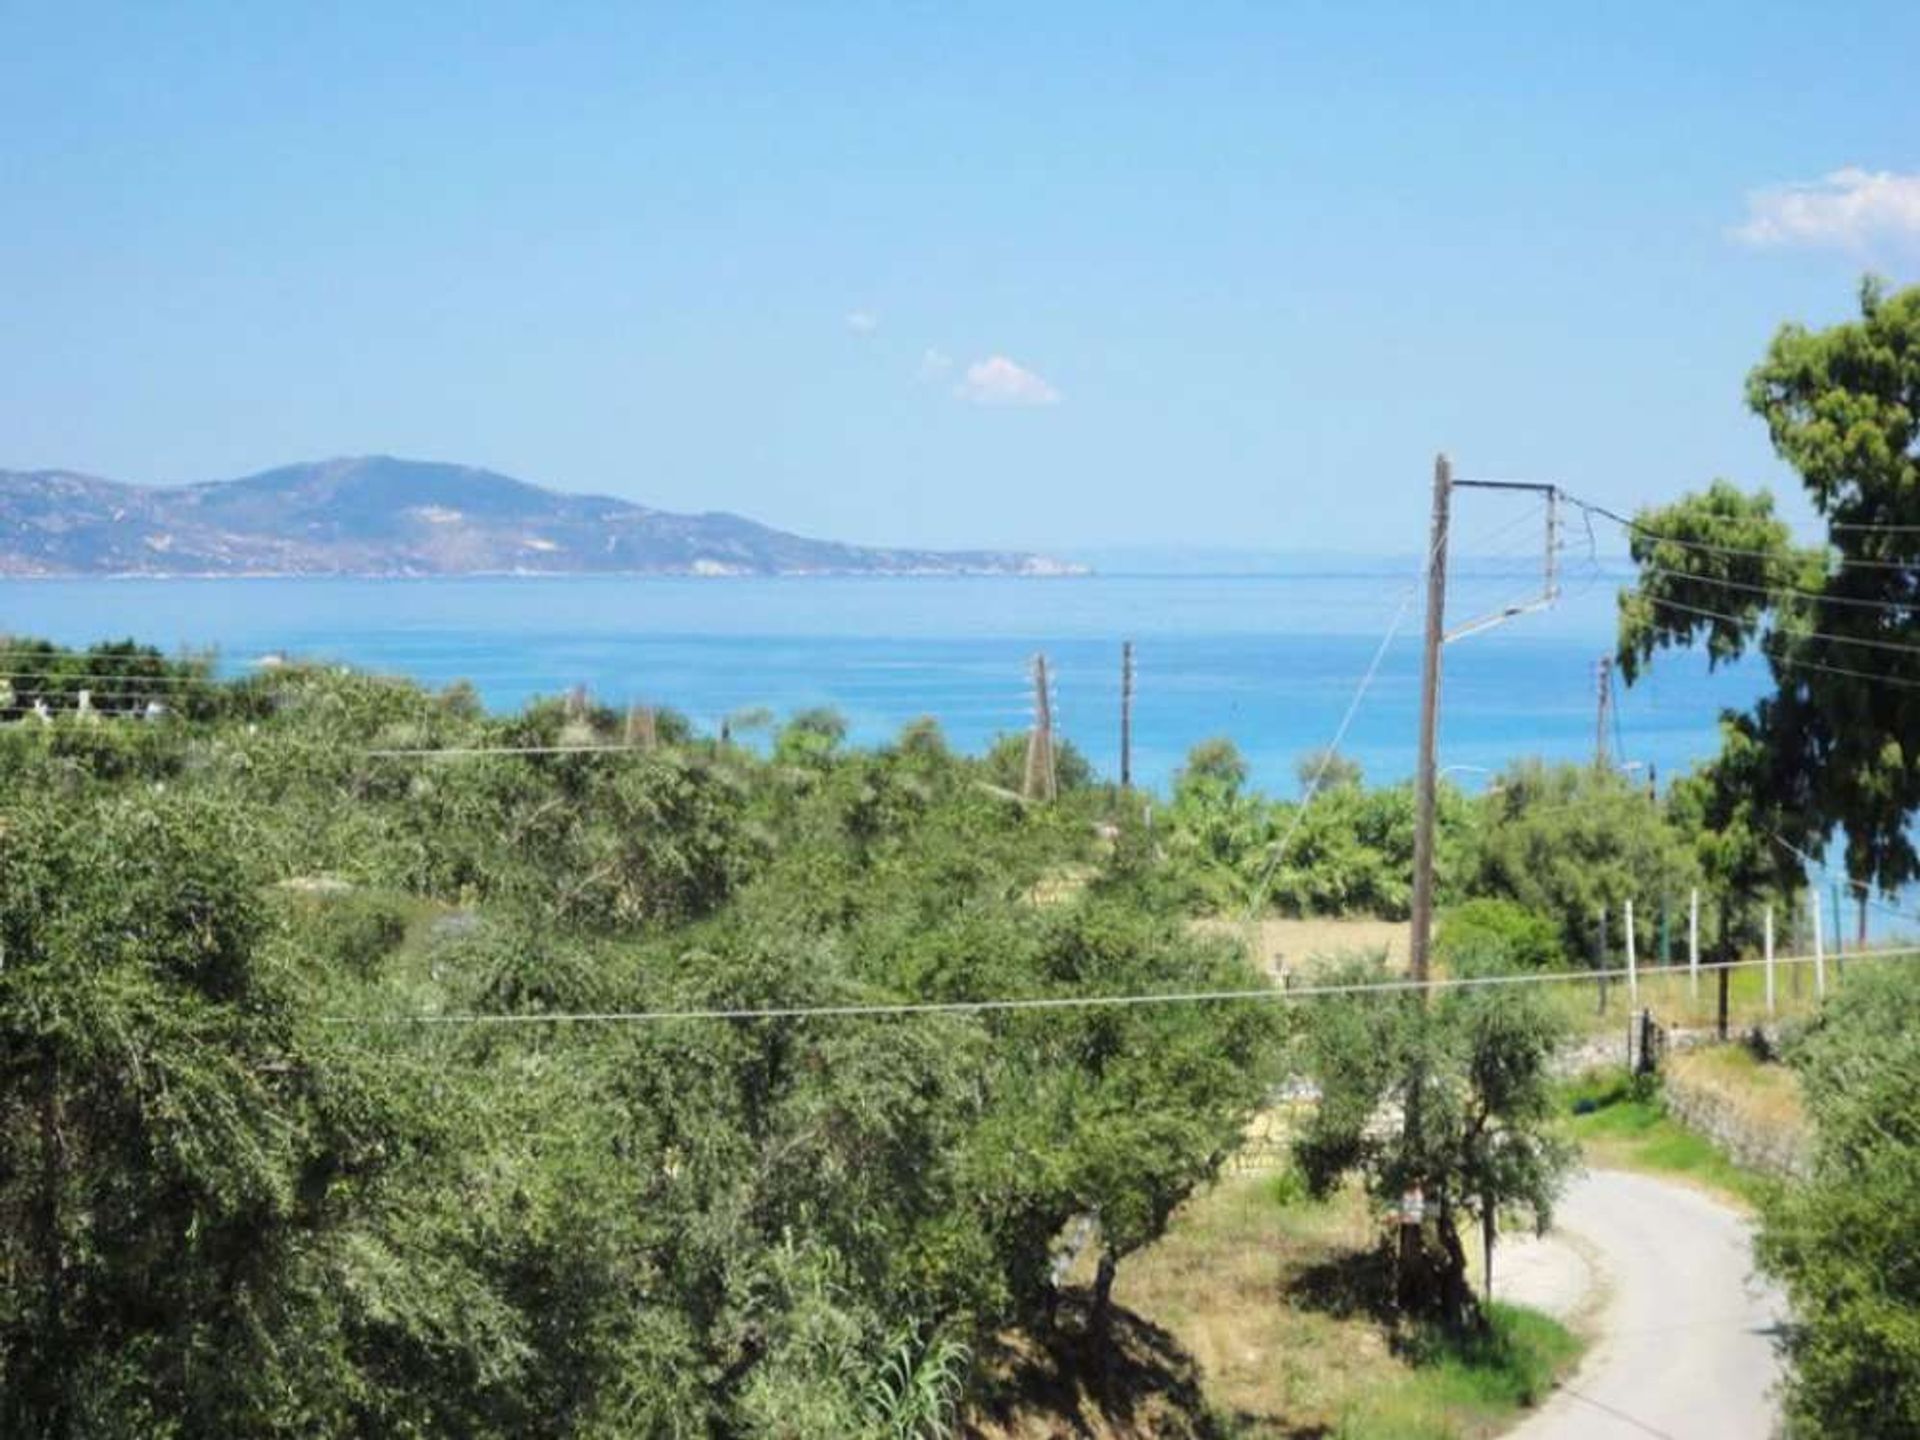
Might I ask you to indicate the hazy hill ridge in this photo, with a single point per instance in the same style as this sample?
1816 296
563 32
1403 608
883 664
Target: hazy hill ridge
377 515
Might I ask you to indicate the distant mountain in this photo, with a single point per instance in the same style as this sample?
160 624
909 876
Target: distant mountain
376 515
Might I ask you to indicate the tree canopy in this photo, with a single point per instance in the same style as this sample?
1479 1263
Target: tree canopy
1842 1243
1838 624
274 1161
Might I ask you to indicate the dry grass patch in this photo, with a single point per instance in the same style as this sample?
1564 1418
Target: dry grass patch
1062 884
1281 946
1766 1096
1261 1314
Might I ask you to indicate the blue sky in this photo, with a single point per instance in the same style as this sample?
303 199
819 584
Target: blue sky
943 274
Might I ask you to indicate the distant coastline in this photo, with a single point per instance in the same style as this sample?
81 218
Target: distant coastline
1064 572
375 517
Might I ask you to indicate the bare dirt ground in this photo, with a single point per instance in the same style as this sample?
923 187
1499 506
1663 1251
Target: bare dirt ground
1298 947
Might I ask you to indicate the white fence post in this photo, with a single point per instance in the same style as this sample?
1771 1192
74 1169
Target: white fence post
1819 948
1767 937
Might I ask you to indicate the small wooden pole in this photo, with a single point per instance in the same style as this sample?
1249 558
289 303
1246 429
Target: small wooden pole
1693 943
1724 954
1486 1245
1604 692
1633 965
1819 949
1600 965
1039 783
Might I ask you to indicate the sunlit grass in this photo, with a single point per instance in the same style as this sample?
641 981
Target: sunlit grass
1226 1282
1766 1095
1625 1126
1468 1387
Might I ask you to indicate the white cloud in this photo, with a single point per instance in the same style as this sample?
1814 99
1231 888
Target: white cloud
998 381
1849 207
934 364
862 322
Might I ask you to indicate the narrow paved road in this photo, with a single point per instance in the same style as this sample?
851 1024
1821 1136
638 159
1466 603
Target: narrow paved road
1685 1345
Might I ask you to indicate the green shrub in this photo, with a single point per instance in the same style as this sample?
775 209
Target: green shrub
1842 1242
359 931
1498 937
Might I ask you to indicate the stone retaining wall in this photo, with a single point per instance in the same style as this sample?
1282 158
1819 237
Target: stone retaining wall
1770 1149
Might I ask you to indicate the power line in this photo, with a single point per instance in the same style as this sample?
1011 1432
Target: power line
1327 755
1527 516
1911 607
68 677
58 652
1793 663
893 1009
1711 548
1863 888
1898 646
399 752
23 698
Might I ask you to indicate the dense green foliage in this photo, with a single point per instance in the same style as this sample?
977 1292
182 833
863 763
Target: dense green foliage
1828 753
1497 937
1571 841
292 1140
1469 1076
312 1120
1830 750
1559 842
1340 850
1843 1244
1322 770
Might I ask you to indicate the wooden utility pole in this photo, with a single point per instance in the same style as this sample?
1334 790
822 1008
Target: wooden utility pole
1126 715
1726 972
1423 775
1600 747
1412 1210
1425 779
1040 783
642 731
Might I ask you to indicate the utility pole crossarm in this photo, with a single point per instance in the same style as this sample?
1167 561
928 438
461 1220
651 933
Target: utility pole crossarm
1550 588
1497 617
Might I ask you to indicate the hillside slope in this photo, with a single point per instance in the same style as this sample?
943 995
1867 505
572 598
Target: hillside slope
377 515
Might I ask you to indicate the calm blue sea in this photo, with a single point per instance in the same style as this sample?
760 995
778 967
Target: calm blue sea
1269 660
